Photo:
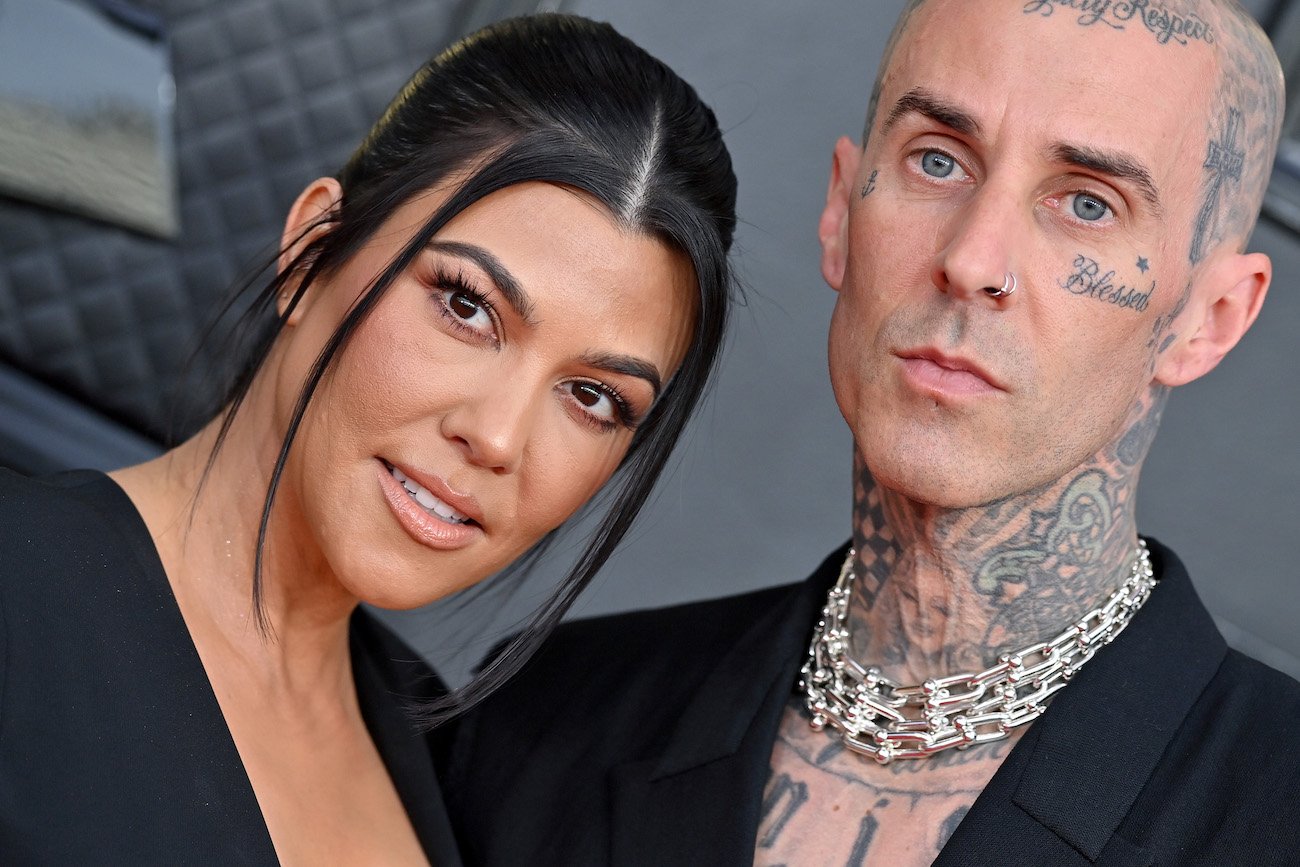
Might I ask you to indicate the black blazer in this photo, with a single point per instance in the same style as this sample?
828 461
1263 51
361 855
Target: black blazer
113 749
645 739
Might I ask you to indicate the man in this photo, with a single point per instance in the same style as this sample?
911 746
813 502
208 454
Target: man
1040 237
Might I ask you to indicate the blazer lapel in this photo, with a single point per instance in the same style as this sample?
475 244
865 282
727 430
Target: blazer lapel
699 802
1065 789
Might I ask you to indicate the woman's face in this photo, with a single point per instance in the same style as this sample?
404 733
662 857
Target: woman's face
492 390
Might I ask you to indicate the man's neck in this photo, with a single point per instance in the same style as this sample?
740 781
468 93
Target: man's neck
941 591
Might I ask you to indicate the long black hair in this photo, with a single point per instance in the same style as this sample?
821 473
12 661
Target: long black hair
552 98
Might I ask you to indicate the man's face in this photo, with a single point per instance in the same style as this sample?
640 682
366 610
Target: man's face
1069 155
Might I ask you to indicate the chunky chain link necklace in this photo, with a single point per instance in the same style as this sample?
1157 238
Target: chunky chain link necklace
885 720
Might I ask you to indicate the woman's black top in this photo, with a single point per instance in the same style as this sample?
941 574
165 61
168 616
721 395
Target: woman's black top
113 749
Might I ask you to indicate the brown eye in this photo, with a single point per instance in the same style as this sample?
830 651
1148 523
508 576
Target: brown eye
597 402
466 309
586 395
463 305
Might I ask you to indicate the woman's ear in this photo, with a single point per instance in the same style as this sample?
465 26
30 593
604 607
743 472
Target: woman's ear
1226 297
308 219
833 228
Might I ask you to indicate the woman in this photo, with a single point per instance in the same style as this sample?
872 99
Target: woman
515 288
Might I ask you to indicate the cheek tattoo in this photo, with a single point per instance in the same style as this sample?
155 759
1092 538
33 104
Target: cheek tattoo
1087 278
870 186
1143 265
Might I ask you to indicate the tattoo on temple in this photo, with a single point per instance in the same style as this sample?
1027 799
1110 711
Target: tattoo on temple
1086 278
1223 164
870 186
1165 23
1242 128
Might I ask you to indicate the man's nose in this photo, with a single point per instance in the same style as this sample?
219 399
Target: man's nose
977 260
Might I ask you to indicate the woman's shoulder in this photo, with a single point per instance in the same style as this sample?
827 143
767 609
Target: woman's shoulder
57 529
57 504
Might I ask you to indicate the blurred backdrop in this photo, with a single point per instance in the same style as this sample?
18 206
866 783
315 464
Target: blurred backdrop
98 317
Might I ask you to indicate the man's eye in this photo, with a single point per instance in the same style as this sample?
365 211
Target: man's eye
1090 208
937 164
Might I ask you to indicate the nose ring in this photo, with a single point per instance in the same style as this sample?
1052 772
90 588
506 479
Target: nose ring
1009 285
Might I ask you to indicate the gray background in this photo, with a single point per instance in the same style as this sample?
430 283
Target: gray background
270 93
761 491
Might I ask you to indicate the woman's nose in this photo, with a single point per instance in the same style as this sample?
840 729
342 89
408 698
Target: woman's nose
493 423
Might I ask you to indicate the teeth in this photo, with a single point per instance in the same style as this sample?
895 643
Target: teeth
428 501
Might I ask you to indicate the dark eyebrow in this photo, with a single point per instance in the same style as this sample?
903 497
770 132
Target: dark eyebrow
627 365
1116 165
514 294
920 101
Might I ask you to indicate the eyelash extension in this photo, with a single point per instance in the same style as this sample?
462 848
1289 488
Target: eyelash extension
444 281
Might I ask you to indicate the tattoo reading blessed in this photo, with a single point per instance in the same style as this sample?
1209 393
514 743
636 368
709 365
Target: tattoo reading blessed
1086 278
1166 25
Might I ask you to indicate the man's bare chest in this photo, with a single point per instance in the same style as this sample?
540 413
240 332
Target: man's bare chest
826 805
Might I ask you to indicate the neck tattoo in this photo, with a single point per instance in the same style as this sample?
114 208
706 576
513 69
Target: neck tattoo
884 720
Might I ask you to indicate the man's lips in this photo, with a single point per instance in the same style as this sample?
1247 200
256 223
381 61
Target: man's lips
949 373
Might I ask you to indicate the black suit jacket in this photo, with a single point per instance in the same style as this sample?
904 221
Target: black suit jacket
113 749
645 739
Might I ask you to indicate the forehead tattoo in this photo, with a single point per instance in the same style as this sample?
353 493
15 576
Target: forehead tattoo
1164 21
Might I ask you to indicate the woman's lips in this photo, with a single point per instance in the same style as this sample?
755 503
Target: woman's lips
430 530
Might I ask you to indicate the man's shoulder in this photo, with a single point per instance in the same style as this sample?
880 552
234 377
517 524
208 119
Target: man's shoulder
1247 698
707 623
635 671
1227 782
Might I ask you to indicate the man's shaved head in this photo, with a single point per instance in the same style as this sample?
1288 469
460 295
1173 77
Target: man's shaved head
1243 105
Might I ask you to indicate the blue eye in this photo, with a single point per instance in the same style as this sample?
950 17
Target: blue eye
937 164
1090 208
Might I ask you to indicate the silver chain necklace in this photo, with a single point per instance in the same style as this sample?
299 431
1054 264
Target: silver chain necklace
885 720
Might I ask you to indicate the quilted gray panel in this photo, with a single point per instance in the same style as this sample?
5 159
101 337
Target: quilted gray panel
270 93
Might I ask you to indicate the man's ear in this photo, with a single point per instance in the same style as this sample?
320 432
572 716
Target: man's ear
306 221
833 228
1226 297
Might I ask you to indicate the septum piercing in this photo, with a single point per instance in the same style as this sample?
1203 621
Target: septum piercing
1009 286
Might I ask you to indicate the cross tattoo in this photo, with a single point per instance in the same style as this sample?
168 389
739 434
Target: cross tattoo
1224 162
